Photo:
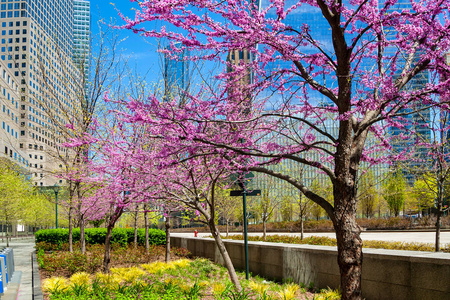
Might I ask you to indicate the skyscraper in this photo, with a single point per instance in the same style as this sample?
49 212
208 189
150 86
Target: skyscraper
81 33
416 121
176 75
36 50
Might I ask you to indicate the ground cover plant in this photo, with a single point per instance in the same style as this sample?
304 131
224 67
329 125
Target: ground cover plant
179 279
327 241
56 260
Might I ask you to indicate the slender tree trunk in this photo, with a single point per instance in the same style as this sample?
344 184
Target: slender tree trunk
438 218
135 228
82 236
7 240
109 227
70 228
167 238
107 256
223 251
264 228
227 228
301 227
147 244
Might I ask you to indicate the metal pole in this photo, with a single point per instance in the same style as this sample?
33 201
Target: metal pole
244 202
56 209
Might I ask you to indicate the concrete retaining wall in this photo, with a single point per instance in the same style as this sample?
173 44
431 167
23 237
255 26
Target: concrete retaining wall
387 274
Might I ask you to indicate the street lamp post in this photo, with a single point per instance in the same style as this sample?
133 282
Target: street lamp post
56 189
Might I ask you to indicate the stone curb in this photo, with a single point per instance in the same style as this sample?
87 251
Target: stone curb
36 278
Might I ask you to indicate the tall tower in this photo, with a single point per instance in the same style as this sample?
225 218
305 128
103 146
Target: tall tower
36 48
81 34
176 75
417 120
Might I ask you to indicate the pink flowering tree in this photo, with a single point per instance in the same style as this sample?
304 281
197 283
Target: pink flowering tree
314 99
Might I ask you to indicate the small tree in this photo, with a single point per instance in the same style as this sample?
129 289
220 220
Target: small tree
367 194
424 193
395 192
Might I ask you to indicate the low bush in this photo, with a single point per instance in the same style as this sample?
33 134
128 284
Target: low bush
64 263
155 236
327 241
179 279
55 239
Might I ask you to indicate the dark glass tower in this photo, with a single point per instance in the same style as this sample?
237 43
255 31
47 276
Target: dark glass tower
176 75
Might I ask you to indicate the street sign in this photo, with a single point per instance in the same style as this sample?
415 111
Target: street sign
241 193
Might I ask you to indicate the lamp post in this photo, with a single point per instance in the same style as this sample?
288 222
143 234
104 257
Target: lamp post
56 189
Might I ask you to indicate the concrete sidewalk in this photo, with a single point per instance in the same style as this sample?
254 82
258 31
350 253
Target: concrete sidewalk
22 247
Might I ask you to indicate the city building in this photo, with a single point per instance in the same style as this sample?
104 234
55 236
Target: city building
239 83
416 121
36 50
295 131
176 74
10 119
81 34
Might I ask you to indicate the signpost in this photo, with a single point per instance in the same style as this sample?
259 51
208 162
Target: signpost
243 192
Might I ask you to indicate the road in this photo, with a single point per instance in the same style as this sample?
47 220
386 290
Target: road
398 236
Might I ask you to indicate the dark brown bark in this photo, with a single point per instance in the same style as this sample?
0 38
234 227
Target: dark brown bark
147 244
349 242
116 213
70 228
135 227
264 228
107 255
82 236
167 226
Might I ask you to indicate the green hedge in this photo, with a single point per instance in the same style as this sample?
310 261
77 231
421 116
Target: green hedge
155 236
119 236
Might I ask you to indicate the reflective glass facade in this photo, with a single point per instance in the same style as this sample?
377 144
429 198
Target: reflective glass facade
176 74
416 125
81 32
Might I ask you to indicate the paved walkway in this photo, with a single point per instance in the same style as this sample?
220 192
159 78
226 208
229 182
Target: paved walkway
23 247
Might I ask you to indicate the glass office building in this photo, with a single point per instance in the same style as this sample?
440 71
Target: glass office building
176 74
321 32
81 33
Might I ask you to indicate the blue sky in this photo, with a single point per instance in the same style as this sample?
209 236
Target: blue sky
140 52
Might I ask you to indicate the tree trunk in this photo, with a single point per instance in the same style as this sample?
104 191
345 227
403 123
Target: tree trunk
223 251
82 236
7 240
167 239
227 228
147 244
301 227
109 227
438 218
70 229
349 241
107 256
135 228
264 228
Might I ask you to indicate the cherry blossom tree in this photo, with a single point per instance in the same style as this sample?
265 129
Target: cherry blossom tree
326 94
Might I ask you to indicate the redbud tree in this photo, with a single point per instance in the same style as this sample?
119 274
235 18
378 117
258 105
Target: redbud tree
315 97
